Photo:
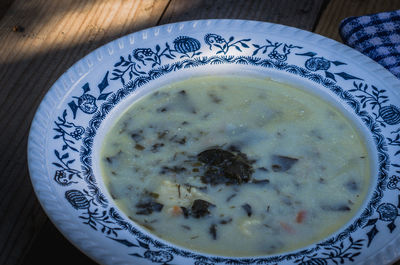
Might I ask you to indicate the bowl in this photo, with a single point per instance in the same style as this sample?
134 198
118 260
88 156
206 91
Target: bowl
71 123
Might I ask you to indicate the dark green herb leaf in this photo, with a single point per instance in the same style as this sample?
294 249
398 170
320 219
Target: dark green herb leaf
225 221
225 167
200 208
260 181
247 209
282 163
213 231
338 207
147 208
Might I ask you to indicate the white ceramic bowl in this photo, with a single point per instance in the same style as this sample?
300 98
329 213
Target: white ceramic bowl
68 128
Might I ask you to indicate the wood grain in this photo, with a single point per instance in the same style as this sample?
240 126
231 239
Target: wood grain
337 10
4 6
300 13
55 35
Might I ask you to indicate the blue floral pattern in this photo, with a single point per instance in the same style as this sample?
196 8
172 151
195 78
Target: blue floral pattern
280 51
222 46
64 175
143 65
68 131
87 103
322 64
186 46
137 63
387 212
91 214
335 253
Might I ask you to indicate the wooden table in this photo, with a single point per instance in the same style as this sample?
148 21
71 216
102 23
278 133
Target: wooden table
39 40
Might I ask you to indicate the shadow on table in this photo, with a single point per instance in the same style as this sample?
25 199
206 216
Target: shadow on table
54 249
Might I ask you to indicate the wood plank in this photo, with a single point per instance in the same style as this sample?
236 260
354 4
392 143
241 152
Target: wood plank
4 6
53 245
55 35
337 10
301 13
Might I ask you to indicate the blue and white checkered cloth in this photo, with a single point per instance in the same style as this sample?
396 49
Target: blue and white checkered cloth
377 36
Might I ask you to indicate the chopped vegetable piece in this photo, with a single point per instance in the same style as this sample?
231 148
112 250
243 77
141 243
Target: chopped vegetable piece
176 210
352 185
178 140
337 208
186 227
300 216
247 208
225 221
161 135
215 156
260 181
137 135
185 212
225 167
139 147
230 197
287 200
214 98
162 109
156 147
282 163
200 208
151 194
146 208
287 228
174 169
213 231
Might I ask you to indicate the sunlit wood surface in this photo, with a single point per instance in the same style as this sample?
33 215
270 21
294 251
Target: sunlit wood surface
41 39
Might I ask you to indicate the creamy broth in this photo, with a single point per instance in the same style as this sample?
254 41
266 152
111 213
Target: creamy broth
236 166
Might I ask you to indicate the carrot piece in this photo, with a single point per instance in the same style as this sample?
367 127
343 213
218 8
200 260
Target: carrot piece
301 215
176 210
287 228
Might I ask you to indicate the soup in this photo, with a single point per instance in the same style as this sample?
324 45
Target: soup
235 166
